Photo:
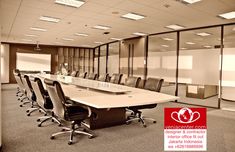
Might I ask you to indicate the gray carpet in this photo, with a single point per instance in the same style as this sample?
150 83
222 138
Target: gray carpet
21 134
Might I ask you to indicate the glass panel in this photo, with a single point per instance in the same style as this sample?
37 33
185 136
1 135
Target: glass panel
124 60
113 66
87 60
137 62
81 60
103 50
228 69
96 57
162 60
199 62
91 61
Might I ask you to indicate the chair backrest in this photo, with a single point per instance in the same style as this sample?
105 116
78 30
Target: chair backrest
132 81
19 82
28 87
103 77
16 71
57 97
38 90
91 76
153 84
74 73
82 75
116 78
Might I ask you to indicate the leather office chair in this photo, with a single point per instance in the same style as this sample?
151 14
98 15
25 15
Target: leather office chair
64 109
116 78
24 98
43 100
91 76
30 95
82 75
151 84
74 73
103 78
20 89
132 82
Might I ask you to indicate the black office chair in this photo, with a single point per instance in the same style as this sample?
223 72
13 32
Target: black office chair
103 77
30 95
151 84
43 100
91 76
64 109
82 75
74 73
116 78
21 94
132 82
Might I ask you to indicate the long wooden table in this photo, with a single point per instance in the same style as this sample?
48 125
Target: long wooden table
107 100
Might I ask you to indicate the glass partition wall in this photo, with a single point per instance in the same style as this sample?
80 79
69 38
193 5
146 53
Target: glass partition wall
103 52
228 69
161 61
113 58
198 66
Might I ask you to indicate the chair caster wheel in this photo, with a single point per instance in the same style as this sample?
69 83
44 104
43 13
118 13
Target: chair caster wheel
62 129
144 126
138 120
45 114
27 111
60 125
70 143
39 110
154 121
21 105
28 114
52 120
52 137
39 125
90 137
38 120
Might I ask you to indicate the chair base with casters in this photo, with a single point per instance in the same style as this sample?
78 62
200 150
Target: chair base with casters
47 118
137 115
72 131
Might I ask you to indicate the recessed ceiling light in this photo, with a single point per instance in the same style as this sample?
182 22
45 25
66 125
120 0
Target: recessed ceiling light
191 1
207 46
31 35
81 34
98 42
167 39
229 15
72 3
67 39
175 27
101 27
183 48
165 45
85 45
133 16
203 34
38 29
28 40
113 38
190 43
49 19
58 42
139 33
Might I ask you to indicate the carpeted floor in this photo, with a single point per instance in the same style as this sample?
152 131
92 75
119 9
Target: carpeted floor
21 134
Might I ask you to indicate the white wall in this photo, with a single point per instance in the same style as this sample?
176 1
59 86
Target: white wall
0 87
5 63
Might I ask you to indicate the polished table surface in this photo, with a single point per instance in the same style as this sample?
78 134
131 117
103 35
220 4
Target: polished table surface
107 95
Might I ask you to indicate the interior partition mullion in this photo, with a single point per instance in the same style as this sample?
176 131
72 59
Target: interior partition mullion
221 65
146 57
98 61
177 63
107 55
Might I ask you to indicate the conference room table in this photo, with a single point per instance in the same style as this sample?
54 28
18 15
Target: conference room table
107 100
